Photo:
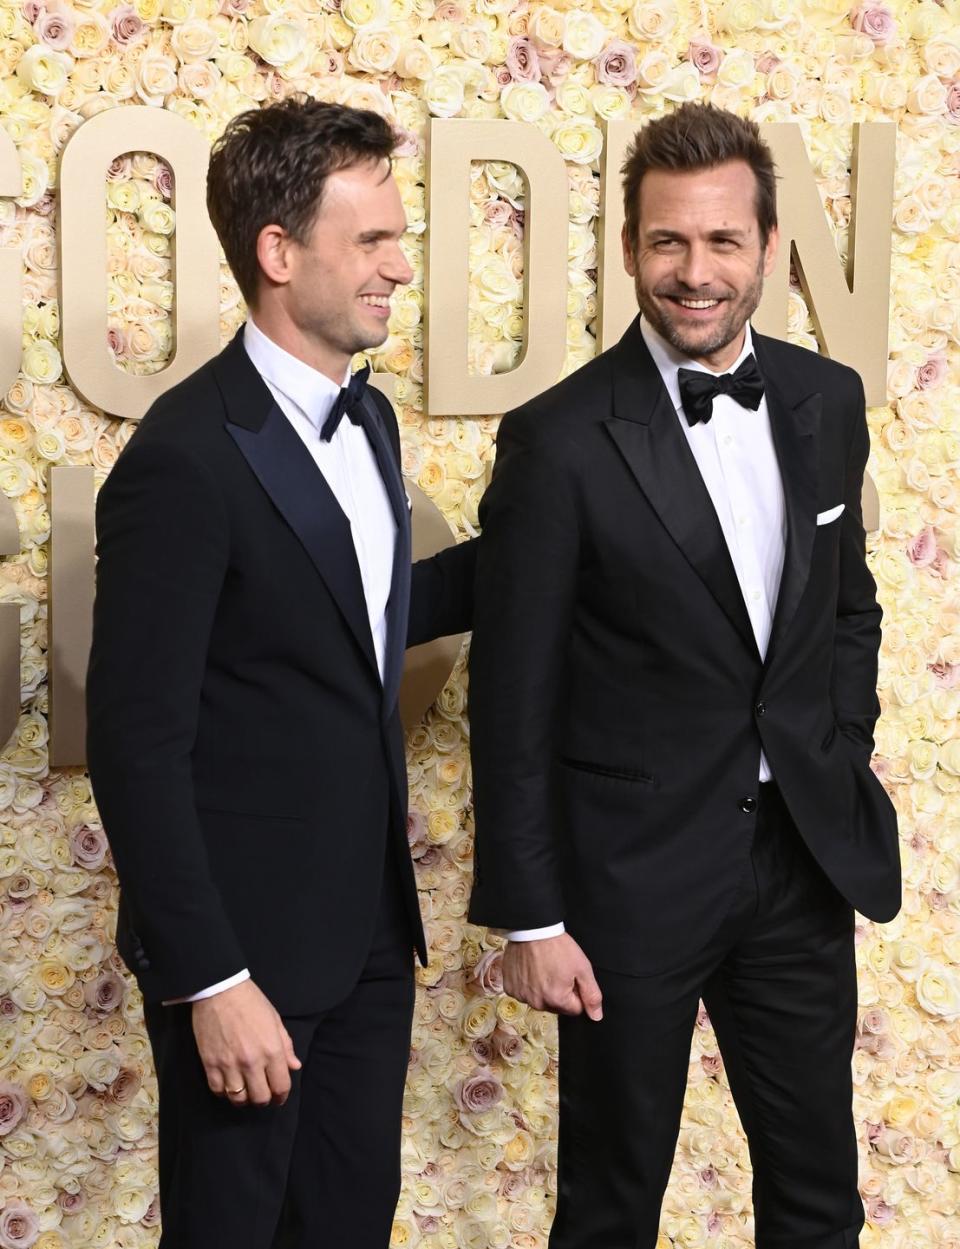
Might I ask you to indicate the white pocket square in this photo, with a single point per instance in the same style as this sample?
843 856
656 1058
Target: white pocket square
824 518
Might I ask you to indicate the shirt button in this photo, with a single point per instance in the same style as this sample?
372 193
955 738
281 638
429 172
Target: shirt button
743 520
728 440
748 805
761 709
755 596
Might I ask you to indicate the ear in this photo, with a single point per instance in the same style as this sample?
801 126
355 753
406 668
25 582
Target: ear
770 253
274 254
629 262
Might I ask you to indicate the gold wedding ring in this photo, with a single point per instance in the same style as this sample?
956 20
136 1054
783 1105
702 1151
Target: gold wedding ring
236 1092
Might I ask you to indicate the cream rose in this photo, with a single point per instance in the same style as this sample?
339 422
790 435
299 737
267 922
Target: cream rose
524 101
44 70
583 35
277 40
374 50
546 27
653 21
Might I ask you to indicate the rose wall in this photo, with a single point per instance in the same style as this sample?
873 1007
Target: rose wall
77 1094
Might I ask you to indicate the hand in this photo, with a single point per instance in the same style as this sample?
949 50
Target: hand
244 1047
552 974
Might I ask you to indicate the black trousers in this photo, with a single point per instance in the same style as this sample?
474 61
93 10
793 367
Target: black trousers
324 1169
779 983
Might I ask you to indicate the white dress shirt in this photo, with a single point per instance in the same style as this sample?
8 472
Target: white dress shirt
350 469
735 454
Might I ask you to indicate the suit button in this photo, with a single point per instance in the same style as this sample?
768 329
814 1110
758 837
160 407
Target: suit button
761 709
748 805
143 964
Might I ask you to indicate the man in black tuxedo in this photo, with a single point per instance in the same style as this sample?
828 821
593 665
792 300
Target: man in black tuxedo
672 702
254 599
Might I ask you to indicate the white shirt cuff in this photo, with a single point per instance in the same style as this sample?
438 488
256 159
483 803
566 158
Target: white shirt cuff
214 989
536 934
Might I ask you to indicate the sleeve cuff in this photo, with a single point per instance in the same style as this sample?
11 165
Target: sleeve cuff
213 990
536 934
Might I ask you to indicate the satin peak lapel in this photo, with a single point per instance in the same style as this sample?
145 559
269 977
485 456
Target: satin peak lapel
398 605
647 432
300 493
796 439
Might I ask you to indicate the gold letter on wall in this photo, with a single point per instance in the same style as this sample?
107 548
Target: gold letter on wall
617 302
71 609
849 311
83 255
11 306
451 391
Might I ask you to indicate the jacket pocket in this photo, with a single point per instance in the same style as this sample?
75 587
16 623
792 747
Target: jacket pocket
608 770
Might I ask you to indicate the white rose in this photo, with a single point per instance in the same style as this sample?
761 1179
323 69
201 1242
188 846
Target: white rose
653 21
358 13
194 41
276 40
578 141
524 101
44 70
584 35
610 102
415 60
470 42
927 96
574 98
374 51
546 27
443 94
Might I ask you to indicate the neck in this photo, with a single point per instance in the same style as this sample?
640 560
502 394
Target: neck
719 361
276 323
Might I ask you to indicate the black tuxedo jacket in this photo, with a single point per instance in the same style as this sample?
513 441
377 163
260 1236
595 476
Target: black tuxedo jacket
618 701
246 759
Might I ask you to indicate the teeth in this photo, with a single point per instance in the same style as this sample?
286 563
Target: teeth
376 301
698 303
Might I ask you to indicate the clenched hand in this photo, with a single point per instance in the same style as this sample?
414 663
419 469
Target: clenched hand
244 1047
552 974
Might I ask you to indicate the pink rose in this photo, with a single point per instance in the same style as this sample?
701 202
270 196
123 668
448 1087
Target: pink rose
478 1092
32 10
106 993
417 834
554 63
509 1044
767 62
707 1177
125 1087
922 551
522 60
448 11
119 169
19 1226
163 179
953 100
488 973
941 566
407 142
428 1223
152 1216
617 64
875 21
712 1064
704 57
71 1203
8 1008
89 844
117 343
874 1021
13 1106
126 25
874 1132
497 213
482 1050
55 29
946 676
236 8
879 1213
933 372
502 76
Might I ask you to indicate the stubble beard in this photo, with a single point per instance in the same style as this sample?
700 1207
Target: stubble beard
688 341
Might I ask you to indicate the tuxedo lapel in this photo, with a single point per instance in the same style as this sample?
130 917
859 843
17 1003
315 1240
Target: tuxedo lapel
796 438
398 606
647 432
299 491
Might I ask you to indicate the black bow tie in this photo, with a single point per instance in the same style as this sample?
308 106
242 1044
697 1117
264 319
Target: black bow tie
698 390
348 403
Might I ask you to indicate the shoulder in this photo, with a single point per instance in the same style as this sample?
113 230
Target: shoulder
560 416
799 369
185 410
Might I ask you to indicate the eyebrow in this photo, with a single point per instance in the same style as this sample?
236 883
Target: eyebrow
374 236
731 233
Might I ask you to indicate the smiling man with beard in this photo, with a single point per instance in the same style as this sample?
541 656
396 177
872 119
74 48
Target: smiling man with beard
672 702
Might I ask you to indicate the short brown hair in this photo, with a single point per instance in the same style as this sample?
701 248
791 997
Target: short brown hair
699 136
270 165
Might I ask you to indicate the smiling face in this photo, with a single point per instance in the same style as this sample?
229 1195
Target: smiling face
328 297
699 262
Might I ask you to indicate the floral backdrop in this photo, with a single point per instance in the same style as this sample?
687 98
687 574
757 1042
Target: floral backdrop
77 1095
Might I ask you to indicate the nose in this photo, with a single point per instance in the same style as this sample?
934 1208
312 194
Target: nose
695 269
396 267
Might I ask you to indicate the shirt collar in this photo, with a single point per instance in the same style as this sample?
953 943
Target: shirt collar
669 361
310 390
